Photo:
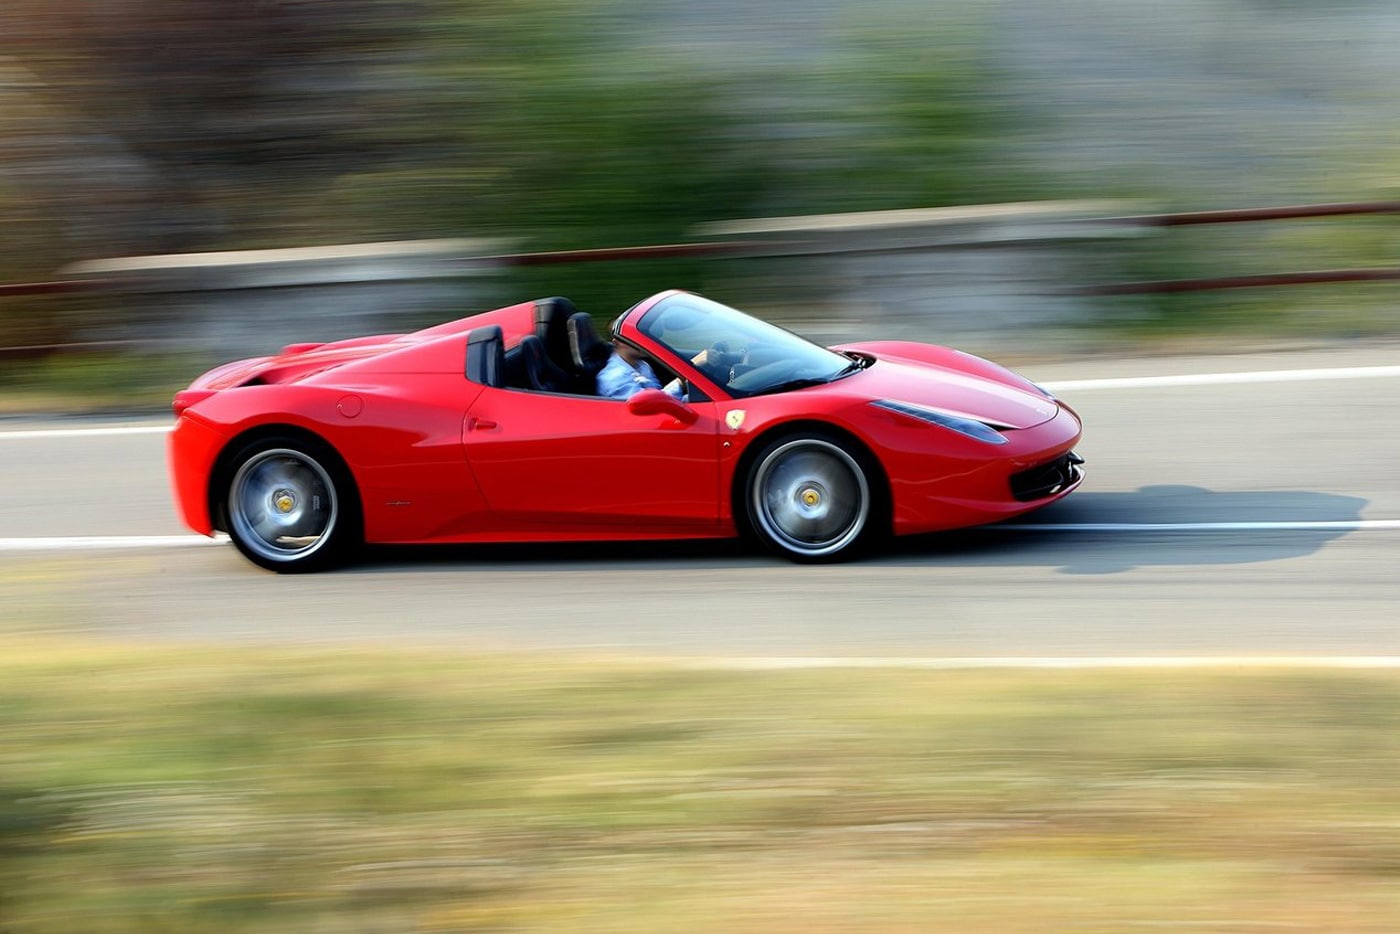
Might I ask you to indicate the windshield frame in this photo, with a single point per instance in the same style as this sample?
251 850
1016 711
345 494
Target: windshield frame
772 358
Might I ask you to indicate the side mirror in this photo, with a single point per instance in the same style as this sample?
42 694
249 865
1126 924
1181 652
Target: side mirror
656 402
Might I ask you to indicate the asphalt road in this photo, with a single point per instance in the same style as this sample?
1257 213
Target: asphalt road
1303 471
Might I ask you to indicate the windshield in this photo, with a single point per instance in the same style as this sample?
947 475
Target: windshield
745 356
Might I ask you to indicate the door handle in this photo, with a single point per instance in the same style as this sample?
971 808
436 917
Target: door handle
479 424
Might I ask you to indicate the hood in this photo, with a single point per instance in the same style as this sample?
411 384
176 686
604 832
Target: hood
980 398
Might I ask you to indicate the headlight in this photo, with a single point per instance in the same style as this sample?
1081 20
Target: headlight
972 428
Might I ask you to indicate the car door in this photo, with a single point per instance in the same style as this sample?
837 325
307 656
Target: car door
586 465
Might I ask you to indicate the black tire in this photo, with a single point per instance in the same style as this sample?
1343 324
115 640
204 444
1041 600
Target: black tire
291 505
811 497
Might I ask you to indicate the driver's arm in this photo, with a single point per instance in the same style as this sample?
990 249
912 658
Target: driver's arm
713 362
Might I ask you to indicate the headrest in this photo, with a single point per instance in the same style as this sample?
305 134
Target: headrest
486 356
589 351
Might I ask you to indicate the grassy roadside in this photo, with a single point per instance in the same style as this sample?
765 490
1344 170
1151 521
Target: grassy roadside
161 789
92 384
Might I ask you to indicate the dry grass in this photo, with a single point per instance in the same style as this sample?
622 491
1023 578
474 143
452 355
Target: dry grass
151 789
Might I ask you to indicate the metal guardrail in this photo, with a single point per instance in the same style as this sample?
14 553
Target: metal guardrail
56 287
749 247
1250 215
1168 286
1293 212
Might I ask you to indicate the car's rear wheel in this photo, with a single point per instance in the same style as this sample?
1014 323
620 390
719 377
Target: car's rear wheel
291 505
809 498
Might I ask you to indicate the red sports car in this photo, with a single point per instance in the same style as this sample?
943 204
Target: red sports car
492 429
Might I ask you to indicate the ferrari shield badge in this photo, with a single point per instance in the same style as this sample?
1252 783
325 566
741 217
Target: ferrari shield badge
735 418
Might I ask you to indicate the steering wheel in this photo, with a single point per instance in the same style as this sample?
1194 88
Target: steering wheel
719 361
769 374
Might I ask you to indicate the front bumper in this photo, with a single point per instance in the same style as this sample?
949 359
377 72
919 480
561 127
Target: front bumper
1047 480
1035 468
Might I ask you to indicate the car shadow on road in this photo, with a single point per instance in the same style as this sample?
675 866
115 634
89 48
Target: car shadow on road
1147 531
581 556
1034 540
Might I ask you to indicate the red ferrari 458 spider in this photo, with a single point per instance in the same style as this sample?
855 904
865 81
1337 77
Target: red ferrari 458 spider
492 429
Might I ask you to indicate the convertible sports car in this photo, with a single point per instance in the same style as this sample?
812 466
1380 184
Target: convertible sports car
490 429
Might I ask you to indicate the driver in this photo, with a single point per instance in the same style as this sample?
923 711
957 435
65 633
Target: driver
627 373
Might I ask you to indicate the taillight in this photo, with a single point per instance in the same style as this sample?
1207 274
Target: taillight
188 397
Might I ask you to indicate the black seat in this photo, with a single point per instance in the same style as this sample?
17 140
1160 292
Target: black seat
540 372
588 351
552 327
486 356
515 377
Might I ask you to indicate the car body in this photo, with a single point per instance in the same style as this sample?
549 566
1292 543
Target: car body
489 429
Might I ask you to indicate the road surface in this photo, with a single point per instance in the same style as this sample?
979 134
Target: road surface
1234 506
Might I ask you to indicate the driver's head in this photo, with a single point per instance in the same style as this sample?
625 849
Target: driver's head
627 352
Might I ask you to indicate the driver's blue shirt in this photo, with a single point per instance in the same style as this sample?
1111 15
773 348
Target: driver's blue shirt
618 379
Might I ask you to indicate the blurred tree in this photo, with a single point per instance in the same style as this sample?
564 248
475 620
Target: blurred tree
896 115
217 125
212 119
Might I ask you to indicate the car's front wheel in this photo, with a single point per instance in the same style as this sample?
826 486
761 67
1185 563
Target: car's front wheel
291 505
809 498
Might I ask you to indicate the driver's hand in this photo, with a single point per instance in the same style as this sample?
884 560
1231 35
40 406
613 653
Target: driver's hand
701 358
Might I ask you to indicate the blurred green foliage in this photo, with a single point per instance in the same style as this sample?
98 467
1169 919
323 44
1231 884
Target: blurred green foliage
95 381
556 124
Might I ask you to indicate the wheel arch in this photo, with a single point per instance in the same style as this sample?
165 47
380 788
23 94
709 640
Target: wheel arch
882 500
224 465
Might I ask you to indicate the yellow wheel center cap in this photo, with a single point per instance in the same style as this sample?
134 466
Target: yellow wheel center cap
284 503
811 497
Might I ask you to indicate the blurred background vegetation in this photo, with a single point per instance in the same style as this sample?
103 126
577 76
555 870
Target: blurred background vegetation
129 129
284 124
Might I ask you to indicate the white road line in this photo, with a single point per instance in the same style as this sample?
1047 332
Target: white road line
105 542
1219 379
1056 663
35 433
